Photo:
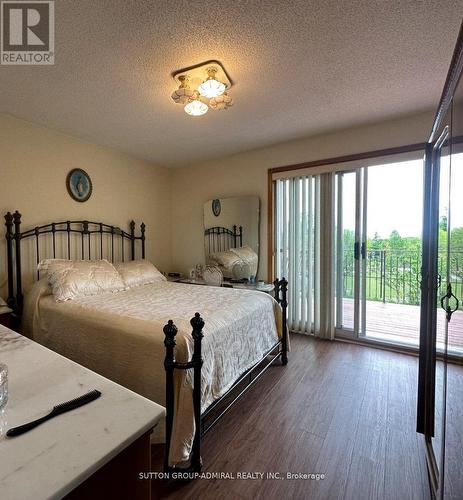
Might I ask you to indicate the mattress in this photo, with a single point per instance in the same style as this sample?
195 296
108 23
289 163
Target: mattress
120 336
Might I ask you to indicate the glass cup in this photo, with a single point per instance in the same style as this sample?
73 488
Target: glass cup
3 385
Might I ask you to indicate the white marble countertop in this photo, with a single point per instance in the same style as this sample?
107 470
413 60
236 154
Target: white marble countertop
52 459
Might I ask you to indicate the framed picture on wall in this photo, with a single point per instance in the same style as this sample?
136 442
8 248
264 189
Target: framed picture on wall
79 185
216 207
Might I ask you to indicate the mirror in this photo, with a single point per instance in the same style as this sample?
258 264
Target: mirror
231 235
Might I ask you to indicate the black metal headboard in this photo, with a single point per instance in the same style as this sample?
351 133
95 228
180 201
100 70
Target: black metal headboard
106 239
219 239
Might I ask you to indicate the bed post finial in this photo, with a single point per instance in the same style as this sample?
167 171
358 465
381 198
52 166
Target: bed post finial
170 331
284 307
9 251
17 218
197 361
142 229
9 221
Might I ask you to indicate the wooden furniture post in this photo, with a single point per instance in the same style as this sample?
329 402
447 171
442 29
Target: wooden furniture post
197 361
170 331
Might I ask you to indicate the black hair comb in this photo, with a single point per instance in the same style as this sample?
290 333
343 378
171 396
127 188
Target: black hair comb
57 410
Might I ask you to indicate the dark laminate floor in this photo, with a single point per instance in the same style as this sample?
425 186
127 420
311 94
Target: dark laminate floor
337 409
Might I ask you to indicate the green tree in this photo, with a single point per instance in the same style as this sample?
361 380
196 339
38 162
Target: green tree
375 243
443 223
395 240
348 241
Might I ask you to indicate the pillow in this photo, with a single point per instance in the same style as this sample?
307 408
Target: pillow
213 276
46 264
81 278
225 260
138 272
241 270
248 255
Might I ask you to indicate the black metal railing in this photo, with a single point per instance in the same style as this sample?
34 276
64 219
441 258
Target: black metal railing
393 275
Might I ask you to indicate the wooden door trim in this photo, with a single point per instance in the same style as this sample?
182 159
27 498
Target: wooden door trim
352 157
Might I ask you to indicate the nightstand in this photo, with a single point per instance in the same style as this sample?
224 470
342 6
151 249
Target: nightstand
6 317
260 287
191 281
175 278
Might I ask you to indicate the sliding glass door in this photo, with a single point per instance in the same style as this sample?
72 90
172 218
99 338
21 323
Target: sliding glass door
350 251
378 251
349 241
393 202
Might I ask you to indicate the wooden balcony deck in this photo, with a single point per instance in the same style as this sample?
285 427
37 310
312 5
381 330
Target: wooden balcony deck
401 323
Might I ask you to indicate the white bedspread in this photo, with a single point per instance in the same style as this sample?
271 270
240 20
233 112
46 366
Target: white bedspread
119 335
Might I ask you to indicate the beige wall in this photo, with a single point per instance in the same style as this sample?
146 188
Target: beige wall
34 162
246 174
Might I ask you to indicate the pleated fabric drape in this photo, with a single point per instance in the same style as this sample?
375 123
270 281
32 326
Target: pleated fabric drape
304 250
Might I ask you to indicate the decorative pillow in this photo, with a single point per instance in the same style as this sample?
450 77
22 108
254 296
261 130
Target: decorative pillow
241 270
48 264
213 276
79 278
225 260
138 272
248 255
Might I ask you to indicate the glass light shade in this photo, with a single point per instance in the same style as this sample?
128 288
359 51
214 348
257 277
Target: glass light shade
196 108
211 88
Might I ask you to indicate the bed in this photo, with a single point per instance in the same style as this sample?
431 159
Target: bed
151 338
219 238
224 249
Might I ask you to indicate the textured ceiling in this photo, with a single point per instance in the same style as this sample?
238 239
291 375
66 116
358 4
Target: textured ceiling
299 68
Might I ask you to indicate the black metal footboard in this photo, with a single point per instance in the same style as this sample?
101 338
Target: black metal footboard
229 399
281 296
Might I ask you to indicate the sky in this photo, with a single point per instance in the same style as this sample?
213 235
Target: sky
395 197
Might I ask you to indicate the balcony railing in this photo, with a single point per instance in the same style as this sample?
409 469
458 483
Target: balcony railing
394 275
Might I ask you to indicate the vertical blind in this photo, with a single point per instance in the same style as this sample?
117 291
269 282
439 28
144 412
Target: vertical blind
303 250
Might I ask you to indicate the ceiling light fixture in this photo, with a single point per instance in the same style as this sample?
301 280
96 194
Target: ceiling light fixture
211 87
196 107
203 86
183 94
